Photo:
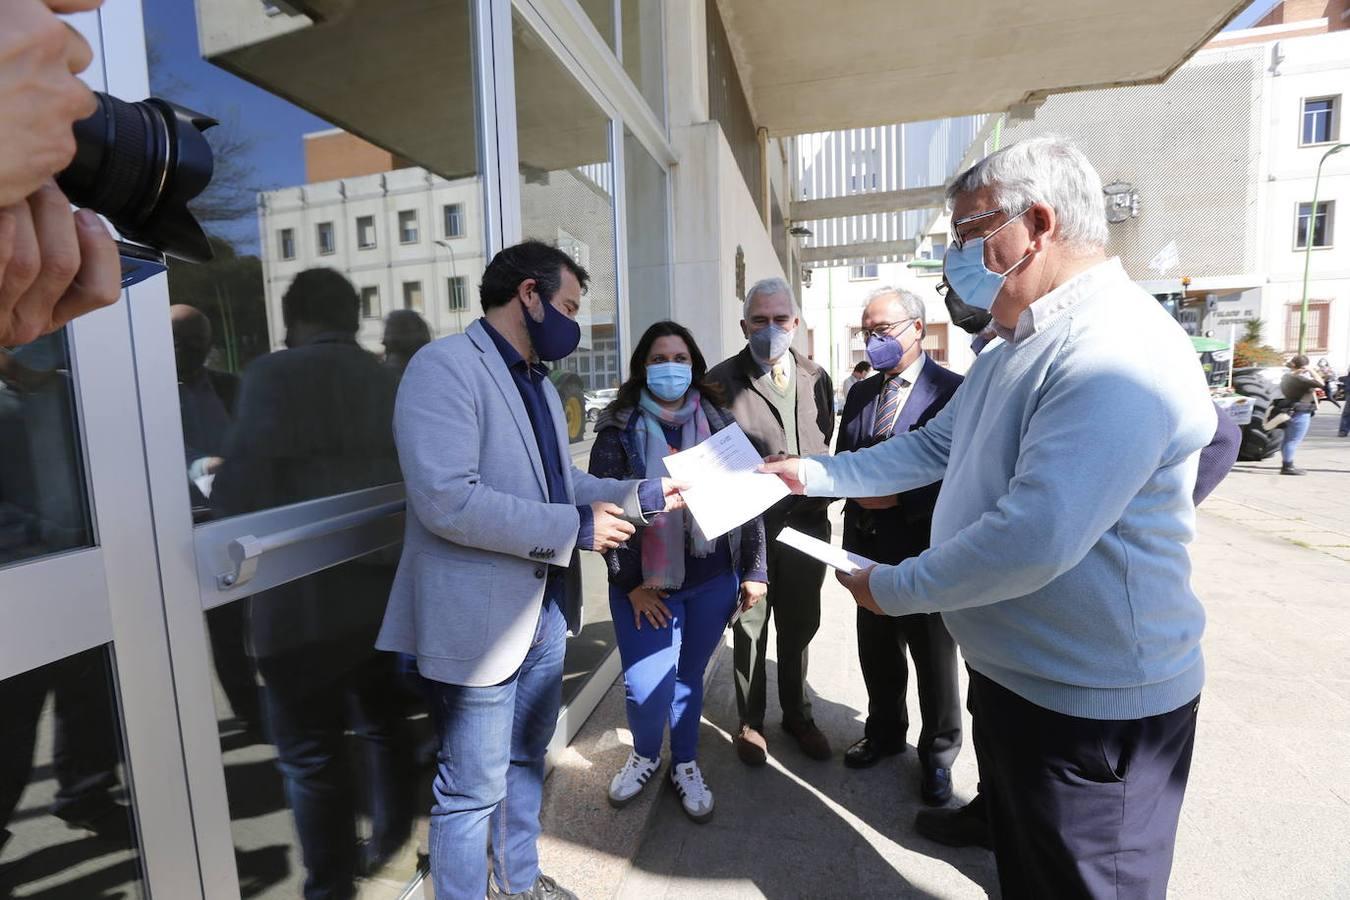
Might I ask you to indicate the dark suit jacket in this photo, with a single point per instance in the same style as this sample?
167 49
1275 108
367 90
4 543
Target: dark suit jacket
758 418
891 535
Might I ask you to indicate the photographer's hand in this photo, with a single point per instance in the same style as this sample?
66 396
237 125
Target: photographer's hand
40 95
55 264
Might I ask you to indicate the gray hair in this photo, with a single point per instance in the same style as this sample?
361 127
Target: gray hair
767 287
909 301
1047 169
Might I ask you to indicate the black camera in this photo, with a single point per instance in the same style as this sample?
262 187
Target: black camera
139 164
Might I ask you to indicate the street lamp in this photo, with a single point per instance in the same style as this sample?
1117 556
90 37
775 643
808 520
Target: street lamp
1308 248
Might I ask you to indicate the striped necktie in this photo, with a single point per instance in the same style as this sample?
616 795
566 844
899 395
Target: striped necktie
891 397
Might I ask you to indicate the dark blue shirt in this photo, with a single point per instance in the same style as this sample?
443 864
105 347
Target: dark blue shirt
529 379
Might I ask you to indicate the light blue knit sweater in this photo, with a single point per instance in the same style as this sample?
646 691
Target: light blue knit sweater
1059 556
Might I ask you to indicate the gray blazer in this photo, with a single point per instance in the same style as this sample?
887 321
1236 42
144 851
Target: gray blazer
480 530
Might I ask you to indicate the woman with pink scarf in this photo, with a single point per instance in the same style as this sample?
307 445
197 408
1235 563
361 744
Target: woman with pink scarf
671 590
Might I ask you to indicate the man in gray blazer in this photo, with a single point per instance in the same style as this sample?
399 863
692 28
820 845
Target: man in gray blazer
488 586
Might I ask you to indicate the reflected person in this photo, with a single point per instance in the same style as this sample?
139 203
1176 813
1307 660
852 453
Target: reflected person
405 332
206 402
314 421
489 583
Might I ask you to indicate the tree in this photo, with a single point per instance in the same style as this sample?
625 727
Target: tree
229 290
1251 352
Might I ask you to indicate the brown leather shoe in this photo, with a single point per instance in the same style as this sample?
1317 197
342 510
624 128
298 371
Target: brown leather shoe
751 746
810 738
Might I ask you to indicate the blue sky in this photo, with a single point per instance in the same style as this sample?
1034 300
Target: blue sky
1251 14
272 126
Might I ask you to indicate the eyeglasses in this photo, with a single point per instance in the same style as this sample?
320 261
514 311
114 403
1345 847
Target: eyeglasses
958 241
883 330
942 288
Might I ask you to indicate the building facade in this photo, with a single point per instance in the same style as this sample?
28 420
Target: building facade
1210 178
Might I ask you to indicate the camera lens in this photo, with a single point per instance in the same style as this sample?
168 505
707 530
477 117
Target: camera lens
140 164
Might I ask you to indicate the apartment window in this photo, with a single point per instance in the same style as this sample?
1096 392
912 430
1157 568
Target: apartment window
1323 224
865 272
412 295
286 240
935 341
454 219
457 291
365 232
1319 326
370 302
1321 120
326 241
407 226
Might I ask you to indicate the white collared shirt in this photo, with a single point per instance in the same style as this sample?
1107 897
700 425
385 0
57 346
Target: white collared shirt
1063 298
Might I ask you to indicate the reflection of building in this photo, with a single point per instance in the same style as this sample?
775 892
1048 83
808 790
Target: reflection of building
407 239
1210 177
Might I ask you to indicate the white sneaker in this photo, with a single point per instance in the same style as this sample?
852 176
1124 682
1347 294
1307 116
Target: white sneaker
694 793
632 778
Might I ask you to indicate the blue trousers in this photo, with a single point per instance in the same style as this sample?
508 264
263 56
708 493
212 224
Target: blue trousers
1294 432
663 667
490 770
1344 429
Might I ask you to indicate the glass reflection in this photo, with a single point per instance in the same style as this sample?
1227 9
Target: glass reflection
347 222
66 825
567 199
43 506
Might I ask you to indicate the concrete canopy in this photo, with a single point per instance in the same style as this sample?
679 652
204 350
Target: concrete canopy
809 66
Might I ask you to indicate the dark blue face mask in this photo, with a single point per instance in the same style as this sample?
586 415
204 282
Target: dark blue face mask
555 337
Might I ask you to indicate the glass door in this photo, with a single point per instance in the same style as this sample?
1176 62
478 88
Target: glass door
93 798
348 215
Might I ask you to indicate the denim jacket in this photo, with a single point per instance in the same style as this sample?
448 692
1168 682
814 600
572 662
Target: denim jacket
616 455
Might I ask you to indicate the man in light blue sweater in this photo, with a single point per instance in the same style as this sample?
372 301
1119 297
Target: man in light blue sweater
1058 556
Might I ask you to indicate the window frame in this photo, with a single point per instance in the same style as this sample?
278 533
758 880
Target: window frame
451 283
1333 124
1318 338
373 233
403 238
318 238
374 292
1329 231
421 294
854 276
459 219
286 236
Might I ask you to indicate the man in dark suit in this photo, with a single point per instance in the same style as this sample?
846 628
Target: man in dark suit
908 389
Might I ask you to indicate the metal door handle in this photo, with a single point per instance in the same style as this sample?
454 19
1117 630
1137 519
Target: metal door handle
247 549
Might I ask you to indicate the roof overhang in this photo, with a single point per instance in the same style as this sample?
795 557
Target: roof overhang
809 66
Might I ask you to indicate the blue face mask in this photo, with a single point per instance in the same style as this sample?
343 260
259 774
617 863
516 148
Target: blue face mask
669 380
555 337
885 352
964 268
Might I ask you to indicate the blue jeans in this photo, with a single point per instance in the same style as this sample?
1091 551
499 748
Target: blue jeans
308 719
1344 430
1294 432
490 770
663 667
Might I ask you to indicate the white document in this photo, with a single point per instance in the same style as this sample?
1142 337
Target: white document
725 490
829 554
